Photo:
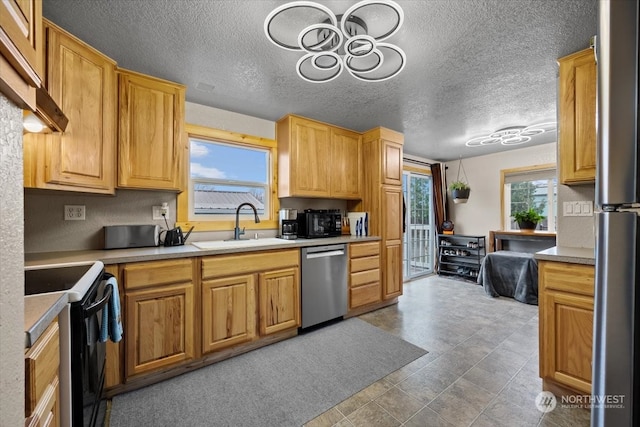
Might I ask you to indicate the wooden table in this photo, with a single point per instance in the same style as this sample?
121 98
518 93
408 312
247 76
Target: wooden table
496 237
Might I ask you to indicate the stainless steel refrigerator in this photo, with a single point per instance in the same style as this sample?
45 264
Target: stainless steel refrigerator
616 339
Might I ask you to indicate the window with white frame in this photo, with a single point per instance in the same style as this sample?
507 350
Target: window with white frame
224 175
533 188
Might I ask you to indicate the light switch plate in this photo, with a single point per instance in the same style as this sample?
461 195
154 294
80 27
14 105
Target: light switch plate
156 212
577 208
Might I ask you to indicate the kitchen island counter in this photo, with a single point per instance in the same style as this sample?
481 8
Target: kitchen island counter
567 254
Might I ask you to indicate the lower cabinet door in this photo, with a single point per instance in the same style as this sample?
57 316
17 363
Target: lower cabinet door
228 312
567 339
159 327
279 296
392 282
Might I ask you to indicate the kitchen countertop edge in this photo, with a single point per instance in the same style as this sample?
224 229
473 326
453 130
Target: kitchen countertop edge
118 256
39 311
567 254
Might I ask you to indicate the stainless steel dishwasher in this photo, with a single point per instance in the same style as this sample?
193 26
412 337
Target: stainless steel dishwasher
324 283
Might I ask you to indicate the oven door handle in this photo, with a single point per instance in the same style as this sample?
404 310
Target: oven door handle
98 305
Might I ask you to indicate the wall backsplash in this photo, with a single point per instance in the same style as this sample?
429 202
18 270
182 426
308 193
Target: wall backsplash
46 230
576 231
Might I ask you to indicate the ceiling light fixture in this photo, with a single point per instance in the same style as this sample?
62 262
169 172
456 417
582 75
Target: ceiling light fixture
353 41
513 135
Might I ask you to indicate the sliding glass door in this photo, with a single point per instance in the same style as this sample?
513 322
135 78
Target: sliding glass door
419 232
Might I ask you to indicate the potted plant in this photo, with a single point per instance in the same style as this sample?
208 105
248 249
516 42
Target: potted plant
459 191
528 220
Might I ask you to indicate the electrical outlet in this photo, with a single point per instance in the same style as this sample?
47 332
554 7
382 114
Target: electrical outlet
74 212
156 212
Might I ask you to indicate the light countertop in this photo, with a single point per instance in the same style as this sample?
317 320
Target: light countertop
117 256
39 311
568 254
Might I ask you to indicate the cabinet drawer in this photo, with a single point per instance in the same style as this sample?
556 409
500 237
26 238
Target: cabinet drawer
562 276
46 413
142 274
364 295
229 265
41 366
364 277
366 263
365 249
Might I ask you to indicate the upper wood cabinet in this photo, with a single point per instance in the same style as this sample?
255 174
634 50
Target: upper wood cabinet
317 160
566 326
577 118
151 132
345 164
82 81
21 66
391 162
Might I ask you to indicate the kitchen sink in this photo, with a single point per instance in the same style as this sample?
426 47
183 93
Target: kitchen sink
244 243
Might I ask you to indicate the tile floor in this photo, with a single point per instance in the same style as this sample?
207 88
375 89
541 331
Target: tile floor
481 369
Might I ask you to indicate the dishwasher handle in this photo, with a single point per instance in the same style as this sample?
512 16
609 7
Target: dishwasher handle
324 251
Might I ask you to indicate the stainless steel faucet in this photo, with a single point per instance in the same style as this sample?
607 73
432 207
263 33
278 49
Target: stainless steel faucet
236 231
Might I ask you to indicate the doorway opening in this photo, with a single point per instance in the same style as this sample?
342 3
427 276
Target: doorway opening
419 234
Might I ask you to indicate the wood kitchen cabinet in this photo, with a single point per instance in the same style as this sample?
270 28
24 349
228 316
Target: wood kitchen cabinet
317 160
566 326
275 300
228 311
279 296
160 312
114 363
577 118
382 198
151 132
364 274
42 364
345 164
391 162
82 81
21 66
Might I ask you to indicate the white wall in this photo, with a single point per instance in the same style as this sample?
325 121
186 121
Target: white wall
11 266
202 115
482 212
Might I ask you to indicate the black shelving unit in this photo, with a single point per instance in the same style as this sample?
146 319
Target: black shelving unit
461 255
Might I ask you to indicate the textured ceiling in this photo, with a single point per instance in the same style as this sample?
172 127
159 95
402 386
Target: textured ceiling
473 66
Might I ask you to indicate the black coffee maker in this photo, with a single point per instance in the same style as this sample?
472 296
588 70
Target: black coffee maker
288 220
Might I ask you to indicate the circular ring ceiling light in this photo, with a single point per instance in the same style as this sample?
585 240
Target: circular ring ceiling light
332 43
513 135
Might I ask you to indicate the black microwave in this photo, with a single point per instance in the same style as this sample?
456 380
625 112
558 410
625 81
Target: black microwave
319 223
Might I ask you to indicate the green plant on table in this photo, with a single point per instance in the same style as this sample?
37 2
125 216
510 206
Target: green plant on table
529 215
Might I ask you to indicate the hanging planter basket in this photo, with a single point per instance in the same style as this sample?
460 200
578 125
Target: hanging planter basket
460 190
460 196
